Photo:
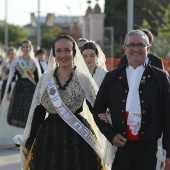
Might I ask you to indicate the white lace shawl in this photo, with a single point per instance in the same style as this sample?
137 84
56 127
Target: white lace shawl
101 58
99 75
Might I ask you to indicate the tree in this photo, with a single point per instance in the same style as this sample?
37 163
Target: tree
161 45
161 30
150 14
16 35
48 36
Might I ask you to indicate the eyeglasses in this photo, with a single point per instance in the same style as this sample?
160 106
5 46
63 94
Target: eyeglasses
139 46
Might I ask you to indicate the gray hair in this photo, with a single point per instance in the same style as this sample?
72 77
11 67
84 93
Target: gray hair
136 33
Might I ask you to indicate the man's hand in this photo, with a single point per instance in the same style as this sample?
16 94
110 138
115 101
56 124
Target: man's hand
119 140
167 164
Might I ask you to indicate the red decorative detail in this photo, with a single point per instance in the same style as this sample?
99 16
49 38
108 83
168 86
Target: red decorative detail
129 134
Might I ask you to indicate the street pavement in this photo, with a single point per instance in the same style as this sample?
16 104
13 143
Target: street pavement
9 156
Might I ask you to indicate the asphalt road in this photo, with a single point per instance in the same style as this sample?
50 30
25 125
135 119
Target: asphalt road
9 156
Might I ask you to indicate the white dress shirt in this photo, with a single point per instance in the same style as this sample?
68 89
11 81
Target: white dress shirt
133 101
44 65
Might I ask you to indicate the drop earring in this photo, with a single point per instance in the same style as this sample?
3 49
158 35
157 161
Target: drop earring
56 63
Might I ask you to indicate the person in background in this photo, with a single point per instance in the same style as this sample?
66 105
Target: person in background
41 56
95 61
2 57
11 54
66 139
81 41
150 59
137 96
168 58
23 77
35 49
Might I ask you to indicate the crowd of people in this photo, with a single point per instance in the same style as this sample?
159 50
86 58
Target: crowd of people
75 114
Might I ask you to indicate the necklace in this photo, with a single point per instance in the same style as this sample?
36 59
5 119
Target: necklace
93 71
26 60
69 78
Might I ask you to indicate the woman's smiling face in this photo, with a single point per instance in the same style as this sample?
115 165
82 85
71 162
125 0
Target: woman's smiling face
64 53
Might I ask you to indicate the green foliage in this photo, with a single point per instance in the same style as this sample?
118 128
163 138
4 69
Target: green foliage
48 36
149 14
16 35
161 45
145 24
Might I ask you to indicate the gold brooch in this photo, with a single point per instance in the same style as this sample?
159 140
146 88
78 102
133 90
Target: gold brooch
52 91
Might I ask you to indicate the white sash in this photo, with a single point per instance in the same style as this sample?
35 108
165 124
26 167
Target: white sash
71 119
26 70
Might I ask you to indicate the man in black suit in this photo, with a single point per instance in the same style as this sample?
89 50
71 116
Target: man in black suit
40 55
138 97
150 59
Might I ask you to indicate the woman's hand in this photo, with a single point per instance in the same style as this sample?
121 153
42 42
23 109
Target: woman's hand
103 116
26 153
162 165
106 117
4 69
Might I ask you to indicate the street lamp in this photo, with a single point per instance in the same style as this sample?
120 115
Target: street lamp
38 26
6 24
130 15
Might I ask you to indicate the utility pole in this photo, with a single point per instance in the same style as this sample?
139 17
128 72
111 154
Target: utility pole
6 24
38 26
130 8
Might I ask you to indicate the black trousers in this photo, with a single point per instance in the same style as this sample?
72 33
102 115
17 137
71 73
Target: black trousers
136 155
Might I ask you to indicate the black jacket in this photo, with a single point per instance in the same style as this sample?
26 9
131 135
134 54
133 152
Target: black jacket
153 60
155 104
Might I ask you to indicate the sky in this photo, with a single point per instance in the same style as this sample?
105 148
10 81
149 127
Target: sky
18 11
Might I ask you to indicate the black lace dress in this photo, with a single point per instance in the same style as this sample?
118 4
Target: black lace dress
54 144
4 78
21 96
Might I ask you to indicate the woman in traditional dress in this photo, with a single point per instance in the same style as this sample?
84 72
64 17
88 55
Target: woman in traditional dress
11 54
95 61
67 139
23 76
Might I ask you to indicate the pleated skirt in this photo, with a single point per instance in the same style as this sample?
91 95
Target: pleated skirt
20 103
58 147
